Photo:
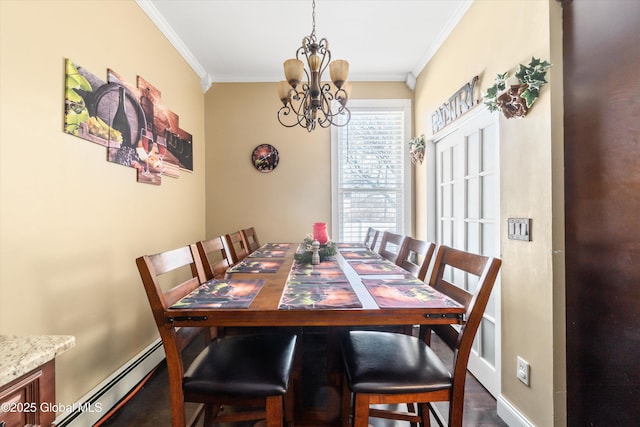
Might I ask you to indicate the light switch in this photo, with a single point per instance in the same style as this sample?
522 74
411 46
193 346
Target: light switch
519 229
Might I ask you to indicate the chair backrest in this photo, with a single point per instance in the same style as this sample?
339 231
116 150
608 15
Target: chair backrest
235 246
250 237
371 238
417 257
453 263
151 267
392 246
214 258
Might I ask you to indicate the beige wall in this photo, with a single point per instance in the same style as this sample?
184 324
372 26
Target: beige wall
284 203
494 36
72 224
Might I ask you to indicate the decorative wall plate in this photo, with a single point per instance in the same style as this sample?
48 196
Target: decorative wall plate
265 157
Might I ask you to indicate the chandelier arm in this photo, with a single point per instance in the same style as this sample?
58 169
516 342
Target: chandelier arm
323 50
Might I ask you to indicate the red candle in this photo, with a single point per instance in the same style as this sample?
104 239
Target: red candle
320 232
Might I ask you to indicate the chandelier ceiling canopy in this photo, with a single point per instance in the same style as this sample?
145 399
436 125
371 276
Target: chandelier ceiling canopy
310 102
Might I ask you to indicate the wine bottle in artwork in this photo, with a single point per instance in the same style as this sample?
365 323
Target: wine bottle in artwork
147 107
121 121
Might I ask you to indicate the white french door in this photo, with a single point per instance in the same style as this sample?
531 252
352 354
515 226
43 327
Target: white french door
467 192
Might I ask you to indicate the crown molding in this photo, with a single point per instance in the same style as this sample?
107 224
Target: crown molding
165 28
448 29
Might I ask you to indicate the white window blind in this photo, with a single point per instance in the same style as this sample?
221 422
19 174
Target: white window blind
370 175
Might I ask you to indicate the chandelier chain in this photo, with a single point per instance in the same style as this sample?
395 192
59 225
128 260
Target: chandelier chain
313 19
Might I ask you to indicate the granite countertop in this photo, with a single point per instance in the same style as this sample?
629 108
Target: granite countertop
21 354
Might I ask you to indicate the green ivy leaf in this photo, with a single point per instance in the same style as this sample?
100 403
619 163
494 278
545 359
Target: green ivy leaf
529 96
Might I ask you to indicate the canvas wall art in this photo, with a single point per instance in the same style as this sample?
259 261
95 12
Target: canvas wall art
129 120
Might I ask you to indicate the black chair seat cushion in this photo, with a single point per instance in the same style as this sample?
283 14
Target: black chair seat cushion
390 363
243 365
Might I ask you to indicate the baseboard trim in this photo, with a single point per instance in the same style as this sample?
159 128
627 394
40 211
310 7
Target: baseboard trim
95 404
510 414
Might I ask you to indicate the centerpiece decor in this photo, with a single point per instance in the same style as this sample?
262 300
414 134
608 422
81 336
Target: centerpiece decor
305 253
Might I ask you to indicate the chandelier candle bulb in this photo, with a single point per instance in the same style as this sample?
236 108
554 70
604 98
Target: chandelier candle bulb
339 70
293 71
314 62
284 89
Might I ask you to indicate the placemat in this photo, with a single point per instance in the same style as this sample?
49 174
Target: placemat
222 294
351 246
319 296
329 270
318 286
406 293
268 253
280 246
376 266
361 254
256 266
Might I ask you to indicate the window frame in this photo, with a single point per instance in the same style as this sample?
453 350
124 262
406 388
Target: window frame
377 105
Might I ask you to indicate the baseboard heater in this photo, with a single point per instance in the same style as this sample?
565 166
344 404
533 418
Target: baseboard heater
108 393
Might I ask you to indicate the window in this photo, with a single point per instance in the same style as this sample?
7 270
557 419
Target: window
371 184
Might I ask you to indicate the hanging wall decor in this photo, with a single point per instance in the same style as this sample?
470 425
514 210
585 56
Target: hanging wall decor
138 131
265 157
416 149
515 95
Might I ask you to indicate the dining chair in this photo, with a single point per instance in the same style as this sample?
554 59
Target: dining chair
417 256
250 237
244 371
392 246
235 246
215 259
371 238
389 368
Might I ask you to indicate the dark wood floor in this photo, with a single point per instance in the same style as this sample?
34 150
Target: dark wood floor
150 406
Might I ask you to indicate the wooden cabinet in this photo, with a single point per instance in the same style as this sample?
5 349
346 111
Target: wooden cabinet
29 399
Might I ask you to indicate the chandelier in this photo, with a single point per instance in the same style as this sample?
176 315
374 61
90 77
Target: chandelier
312 101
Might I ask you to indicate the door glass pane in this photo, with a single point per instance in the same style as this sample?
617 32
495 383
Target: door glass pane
488 149
473 153
490 311
447 234
473 237
489 239
447 201
488 203
488 345
472 282
473 197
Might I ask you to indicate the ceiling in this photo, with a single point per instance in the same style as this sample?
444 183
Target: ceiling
248 40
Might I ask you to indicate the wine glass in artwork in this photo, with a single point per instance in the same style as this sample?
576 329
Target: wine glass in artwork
162 150
145 149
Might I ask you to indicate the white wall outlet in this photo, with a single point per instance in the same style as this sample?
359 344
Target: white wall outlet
523 370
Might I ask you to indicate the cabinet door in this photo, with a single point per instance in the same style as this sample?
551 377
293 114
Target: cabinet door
21 400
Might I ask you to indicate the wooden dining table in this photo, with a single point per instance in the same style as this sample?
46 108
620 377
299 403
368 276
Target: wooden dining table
273 270
264 309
